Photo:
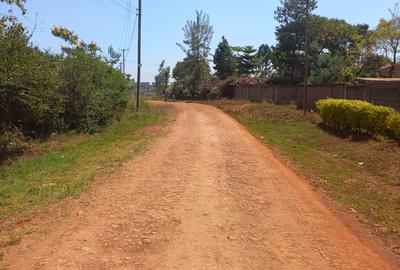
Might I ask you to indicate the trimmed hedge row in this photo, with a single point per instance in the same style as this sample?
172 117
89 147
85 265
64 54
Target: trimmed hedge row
360 117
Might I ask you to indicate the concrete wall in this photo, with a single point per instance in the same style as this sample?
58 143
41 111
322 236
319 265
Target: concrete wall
386 94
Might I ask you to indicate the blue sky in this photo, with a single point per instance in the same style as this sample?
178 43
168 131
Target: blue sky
242 22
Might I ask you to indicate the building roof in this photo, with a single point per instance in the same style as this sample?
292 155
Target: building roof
378 80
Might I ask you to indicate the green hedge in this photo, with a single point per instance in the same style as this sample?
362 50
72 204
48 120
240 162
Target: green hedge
360 117
42 93
394 126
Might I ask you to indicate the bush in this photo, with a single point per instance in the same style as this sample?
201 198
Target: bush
43 93
94 91
358 116
394 126
215 93
29 85
12 143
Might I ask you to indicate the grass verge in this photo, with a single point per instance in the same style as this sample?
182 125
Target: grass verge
66 170
362 173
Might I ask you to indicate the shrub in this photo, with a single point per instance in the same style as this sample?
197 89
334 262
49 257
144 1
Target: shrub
43 93
215 93
29 85
94 91
358 116
12 142
394 126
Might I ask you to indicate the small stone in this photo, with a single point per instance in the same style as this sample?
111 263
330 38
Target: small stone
146 241
81 213
230 237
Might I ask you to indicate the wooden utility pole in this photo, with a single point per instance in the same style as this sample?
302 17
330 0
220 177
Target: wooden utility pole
306 41
139 56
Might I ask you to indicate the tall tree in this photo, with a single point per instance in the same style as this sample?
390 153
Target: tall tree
290 37
197 37
196 44
247 59
224 60
265 56
162 80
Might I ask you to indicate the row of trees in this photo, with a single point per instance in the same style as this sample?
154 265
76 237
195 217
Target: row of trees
43 93
339 52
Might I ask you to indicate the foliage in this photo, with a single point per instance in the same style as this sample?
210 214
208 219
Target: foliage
194 70
265 58
357 116
43 93
189 76
74 41
331 41
394 125
247 60
29 85
290 34
294 10
387 35
114 57
224 60
94 91
197 37
12 142
162 80
18 3
328 69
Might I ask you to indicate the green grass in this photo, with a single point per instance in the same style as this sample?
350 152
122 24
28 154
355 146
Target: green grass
67 171
363 174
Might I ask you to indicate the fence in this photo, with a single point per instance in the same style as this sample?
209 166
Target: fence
386 94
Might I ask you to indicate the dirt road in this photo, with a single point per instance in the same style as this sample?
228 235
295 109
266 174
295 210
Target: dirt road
207 196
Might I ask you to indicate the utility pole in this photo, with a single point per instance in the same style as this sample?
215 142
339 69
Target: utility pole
123 61
139 56
306 41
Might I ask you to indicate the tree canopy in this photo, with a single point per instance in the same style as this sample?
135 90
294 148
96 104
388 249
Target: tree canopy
162 80
196 45
224 61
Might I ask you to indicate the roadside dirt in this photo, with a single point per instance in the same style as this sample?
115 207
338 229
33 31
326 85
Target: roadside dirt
207 196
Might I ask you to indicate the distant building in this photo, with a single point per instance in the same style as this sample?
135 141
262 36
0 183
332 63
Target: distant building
369 81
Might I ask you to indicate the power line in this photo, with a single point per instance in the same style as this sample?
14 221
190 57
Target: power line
108 8
129 26
123 35
121 6
133 34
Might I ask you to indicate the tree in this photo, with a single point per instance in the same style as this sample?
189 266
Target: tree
74 41
162 80
18 3
265 56
224 60
113 56
196 45
387 36
247 59
294 10
290 38
184 76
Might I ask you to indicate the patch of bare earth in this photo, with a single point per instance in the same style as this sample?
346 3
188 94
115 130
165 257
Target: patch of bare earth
208 196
